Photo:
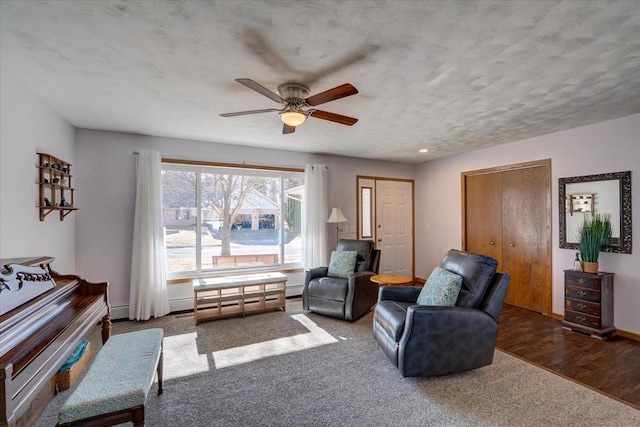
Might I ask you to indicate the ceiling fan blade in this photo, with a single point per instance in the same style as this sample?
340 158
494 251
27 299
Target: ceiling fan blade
332 94
242 113
260 89
288 129
332 117
260 47
358 54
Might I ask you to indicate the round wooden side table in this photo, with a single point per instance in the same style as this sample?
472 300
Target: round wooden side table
391 279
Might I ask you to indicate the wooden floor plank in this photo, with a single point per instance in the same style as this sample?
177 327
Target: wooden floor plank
612 367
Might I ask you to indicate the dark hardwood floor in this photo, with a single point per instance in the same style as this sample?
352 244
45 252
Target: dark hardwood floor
612 367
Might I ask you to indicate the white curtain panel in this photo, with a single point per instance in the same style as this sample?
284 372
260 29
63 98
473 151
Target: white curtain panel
148 295
316 214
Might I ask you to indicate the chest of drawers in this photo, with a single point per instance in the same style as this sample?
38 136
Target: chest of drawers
588 303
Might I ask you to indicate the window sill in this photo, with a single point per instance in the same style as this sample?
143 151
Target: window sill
190 278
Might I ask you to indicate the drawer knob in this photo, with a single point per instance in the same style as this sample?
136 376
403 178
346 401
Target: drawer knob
581 318
581 280
582 293
581 305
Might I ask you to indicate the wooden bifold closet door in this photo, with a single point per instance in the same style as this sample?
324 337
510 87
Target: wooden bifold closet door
507 215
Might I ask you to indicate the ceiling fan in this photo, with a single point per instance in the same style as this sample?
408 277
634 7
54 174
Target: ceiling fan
296 102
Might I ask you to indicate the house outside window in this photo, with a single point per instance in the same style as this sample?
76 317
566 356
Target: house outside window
181 213
222 218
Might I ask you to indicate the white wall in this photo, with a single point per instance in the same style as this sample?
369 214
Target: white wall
95 241
28 125
611 146
106 193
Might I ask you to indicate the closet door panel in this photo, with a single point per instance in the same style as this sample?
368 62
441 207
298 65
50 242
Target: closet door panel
525 237
483 218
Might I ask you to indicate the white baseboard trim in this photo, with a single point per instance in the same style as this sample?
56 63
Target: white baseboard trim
294 291
118 313
122 312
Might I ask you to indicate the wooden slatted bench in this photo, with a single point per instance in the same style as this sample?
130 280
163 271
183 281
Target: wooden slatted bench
238 295
116 386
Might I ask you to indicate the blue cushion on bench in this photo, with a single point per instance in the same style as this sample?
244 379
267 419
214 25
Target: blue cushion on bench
119 378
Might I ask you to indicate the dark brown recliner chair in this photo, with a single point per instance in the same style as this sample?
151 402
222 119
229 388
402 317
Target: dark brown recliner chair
343 298
428 340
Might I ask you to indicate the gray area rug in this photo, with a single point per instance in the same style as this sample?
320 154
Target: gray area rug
296 368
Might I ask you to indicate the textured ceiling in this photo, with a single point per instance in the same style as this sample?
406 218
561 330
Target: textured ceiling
449 76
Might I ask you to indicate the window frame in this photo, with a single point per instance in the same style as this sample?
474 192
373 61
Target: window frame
200 167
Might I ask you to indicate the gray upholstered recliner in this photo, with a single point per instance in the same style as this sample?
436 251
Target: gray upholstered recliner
428 340
343 298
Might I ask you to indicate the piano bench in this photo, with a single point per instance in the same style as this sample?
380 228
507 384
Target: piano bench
116 386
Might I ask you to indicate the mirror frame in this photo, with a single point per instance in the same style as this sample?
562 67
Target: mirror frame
624 178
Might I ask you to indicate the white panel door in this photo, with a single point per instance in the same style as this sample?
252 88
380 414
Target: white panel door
394 228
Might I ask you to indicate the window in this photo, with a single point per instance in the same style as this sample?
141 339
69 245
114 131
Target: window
224 218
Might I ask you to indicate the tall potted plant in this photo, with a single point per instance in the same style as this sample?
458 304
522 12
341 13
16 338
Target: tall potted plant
593 233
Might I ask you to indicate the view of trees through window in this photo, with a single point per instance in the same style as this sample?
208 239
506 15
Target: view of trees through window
221 218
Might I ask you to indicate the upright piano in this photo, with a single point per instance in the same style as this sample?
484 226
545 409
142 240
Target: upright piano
37 336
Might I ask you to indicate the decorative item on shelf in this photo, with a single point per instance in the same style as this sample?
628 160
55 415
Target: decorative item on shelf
577 265
594 233
336 217
55 187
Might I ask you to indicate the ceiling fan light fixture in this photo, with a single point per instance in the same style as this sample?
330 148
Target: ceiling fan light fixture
293 118
296 103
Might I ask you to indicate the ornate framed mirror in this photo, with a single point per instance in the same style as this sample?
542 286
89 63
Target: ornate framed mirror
608 193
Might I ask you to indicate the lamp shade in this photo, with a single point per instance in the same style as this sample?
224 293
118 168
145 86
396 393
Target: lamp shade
292 118
336 216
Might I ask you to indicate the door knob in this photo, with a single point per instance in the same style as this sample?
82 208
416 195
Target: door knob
492 243
379 240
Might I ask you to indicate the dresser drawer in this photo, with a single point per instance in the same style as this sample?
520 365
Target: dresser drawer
581 293
592 308
580 279
582 319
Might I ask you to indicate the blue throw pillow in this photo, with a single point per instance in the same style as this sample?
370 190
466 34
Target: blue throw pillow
442 288
342 263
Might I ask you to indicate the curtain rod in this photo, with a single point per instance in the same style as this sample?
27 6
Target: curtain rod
180 161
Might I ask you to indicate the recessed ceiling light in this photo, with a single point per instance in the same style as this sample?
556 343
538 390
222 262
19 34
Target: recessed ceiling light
423 150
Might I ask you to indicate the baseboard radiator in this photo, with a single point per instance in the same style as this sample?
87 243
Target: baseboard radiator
186 304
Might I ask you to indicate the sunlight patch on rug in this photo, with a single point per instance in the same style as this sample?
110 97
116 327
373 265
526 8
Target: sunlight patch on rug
190 361
252 352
